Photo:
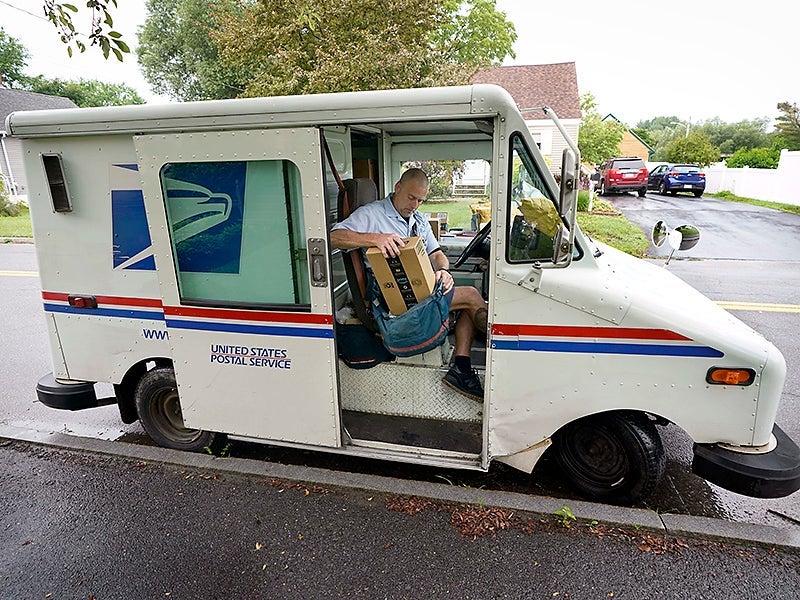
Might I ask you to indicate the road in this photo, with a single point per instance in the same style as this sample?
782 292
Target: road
749 271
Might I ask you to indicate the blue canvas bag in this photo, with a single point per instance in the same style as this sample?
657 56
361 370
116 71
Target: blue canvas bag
422 327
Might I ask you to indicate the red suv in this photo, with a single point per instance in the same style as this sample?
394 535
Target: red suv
623 174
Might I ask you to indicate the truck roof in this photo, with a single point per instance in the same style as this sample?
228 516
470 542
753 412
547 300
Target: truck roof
243 113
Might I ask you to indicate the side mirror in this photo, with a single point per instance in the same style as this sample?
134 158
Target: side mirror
568 206
690 235
568 195
684 237
659 234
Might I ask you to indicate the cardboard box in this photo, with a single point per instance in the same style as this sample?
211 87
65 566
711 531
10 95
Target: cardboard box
404 279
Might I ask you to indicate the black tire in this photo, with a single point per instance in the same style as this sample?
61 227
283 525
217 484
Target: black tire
159 411
611 457
642 192
603 190
697 193
673 192
662 188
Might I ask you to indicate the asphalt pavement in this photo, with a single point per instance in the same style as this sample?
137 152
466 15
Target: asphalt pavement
92 519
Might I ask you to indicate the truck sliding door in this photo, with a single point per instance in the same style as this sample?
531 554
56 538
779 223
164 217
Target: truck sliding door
237 221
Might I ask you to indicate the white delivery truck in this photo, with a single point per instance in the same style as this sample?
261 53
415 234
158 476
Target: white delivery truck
184 258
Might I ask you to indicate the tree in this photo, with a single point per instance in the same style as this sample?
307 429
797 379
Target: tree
177 55
315 46
85 92
100 33
730 137
597 139
441 174
787 125
694 148
13 59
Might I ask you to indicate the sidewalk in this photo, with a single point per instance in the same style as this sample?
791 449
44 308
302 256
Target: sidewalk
86 518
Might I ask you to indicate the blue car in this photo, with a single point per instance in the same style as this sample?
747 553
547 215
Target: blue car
677 178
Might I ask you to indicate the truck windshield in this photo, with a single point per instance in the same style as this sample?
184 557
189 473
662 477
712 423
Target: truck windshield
534 219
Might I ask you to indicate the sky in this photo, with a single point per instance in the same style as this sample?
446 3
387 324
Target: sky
696 60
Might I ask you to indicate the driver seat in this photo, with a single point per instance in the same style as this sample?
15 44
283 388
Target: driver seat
356 193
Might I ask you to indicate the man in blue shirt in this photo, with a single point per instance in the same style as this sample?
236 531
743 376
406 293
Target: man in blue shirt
384 224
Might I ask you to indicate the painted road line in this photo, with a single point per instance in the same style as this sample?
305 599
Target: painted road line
19 273
761 306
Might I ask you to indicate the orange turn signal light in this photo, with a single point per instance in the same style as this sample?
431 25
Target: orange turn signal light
720 376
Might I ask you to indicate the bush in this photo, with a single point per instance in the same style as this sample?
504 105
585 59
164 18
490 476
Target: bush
755 158
7 208
583 200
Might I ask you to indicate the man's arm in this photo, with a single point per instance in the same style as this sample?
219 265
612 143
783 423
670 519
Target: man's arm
345 239
440 265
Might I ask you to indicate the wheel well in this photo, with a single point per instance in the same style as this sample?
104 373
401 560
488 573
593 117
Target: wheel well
125 389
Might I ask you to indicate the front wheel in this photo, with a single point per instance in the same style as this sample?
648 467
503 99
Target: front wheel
159 410
603 190
616 457
662 188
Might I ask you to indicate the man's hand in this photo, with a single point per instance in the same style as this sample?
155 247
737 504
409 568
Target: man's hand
389 243
447 280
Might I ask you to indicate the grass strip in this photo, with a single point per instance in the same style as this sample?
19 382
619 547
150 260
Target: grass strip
790 208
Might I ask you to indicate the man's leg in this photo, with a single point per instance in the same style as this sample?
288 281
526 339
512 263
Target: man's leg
462 377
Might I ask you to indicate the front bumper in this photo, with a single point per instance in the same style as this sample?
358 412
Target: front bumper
75 395
774 474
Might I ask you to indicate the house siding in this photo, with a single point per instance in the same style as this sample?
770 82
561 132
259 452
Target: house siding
630 146
11 154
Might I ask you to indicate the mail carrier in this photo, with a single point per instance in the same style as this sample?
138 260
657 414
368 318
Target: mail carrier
184 257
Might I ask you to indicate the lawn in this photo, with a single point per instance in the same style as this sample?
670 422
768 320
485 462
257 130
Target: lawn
790 208
458 212
19 226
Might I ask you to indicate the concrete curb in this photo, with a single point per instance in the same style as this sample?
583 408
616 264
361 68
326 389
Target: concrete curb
629 518
16 240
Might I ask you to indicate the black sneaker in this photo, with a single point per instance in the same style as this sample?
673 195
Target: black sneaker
467 384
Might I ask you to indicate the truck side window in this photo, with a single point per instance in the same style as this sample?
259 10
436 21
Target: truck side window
237 232
532 212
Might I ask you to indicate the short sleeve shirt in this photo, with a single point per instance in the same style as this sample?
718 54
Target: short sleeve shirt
382 217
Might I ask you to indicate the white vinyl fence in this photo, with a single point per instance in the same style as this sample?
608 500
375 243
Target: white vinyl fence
775 185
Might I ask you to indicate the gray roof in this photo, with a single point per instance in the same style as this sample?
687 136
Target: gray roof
13 100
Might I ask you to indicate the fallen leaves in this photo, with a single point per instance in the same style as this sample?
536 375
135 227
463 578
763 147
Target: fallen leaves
475 521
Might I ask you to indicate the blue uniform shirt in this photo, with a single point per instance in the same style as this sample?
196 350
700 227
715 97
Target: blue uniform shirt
382 217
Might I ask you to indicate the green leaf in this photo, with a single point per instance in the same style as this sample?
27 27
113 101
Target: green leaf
117 53
114 34
70 7
122 45
69 51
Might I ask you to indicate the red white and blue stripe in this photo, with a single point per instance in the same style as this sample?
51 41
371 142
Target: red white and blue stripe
598 340
277 323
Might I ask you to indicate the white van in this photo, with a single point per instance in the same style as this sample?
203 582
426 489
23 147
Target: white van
184 258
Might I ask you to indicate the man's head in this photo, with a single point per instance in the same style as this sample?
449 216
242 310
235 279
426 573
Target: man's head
410 191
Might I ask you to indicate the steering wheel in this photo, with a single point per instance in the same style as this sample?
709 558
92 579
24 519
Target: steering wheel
473 246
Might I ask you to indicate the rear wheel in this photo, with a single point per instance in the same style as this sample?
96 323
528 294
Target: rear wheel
160 413
615 457
697 193
603 190
642 192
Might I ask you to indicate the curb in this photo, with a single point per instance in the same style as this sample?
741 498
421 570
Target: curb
635 518
16 240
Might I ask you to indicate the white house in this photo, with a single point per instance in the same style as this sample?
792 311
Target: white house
534 86
11 100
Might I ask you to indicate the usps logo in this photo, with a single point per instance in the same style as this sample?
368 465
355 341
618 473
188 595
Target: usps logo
132 248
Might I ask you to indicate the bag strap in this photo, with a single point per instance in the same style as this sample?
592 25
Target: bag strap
353 261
